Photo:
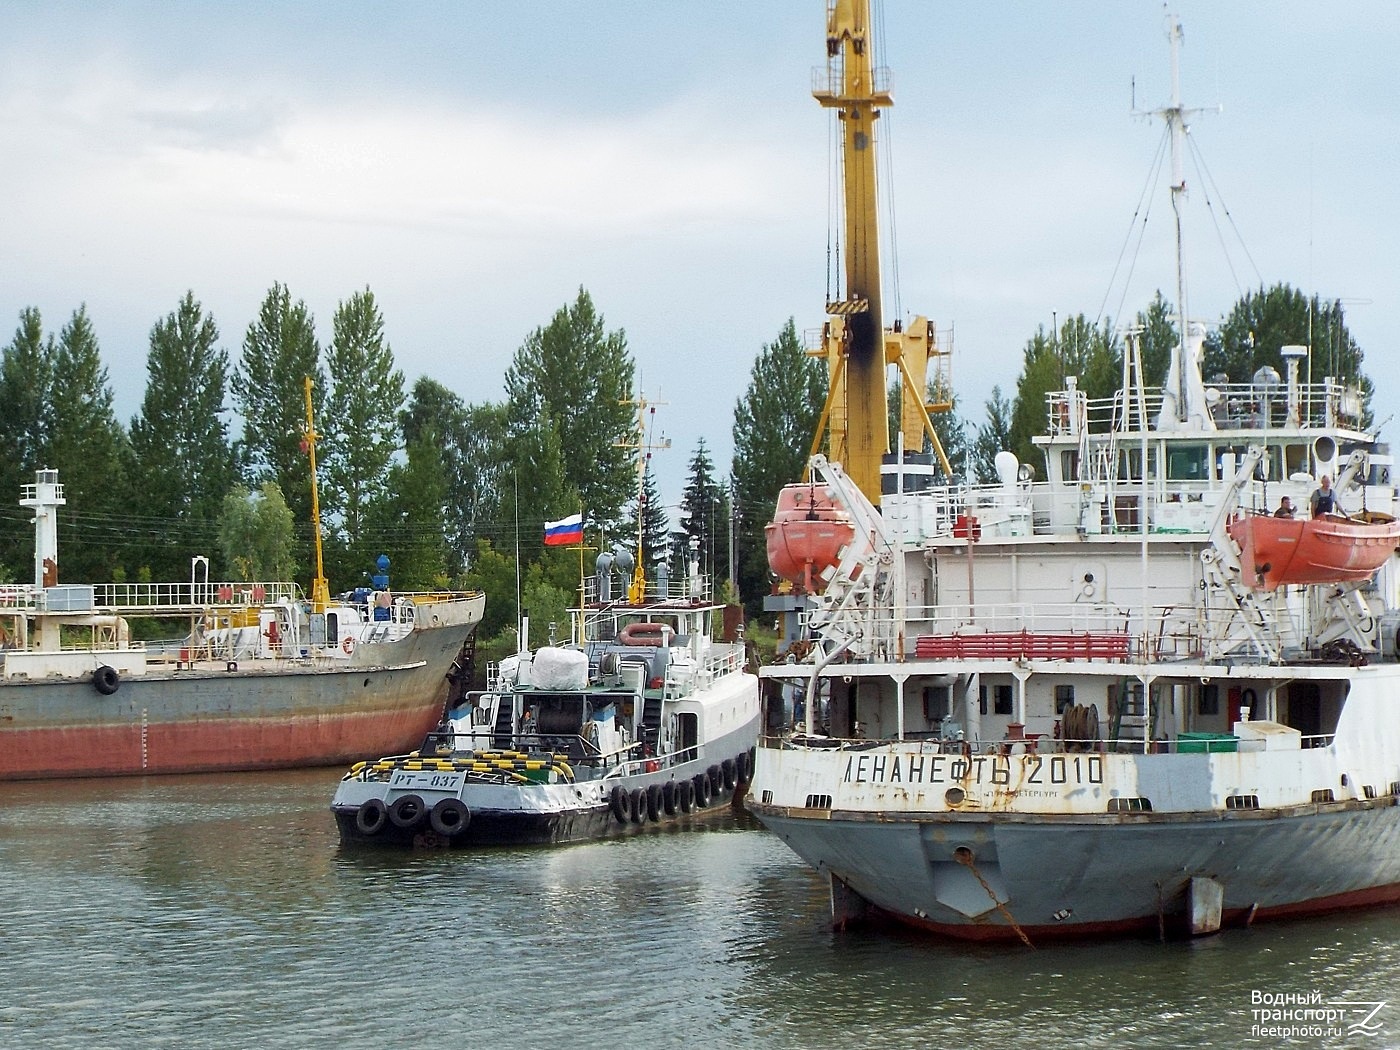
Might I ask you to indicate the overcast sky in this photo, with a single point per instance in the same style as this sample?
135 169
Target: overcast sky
475 164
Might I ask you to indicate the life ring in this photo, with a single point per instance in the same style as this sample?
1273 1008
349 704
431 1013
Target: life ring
702 790
348 645
731 774
668 798
106 680
371 817
637 806
654 803
617 802
449 816
741 767
643 634
407 811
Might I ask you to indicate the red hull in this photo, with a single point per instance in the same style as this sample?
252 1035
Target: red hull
213 745
1277 552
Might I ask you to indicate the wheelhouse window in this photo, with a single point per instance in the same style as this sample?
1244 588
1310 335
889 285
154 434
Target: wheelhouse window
1188 462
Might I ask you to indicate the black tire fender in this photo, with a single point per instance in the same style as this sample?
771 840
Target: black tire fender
617 802
449 816
702 790
685 789
106 680
669 799
371 817
637 806
731 774
407 811
654 804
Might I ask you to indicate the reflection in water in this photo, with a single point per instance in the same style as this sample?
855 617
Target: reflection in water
219 911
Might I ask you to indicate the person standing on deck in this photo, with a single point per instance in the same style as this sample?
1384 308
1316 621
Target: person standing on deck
1323 502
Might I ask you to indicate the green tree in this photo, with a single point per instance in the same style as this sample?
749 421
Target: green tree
279 351
89 450
1079 349
1263 322
181 463
704 514
1040 374
408 523
536 490
26 376
773 426
361 425
576 378
655 528
1157 339
993 436
255 534
473 441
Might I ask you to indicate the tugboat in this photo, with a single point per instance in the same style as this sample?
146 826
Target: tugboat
645 717
1142 706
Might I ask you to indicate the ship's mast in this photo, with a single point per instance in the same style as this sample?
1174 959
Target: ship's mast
851 90
1183 400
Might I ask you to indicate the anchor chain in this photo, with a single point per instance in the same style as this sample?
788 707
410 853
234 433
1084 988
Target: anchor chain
964 857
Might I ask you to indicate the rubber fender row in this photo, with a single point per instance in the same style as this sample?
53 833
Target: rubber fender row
655 801
448 817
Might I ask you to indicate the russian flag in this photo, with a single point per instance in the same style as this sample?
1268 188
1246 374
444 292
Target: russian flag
565 530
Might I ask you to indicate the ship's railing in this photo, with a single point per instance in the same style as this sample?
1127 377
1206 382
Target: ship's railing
155 597
1089 629
827 81
1242 406
680 589
934 743
134 598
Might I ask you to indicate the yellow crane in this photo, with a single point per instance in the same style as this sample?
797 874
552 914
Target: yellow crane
855 344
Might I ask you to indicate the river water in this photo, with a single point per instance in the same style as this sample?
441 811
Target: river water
220 911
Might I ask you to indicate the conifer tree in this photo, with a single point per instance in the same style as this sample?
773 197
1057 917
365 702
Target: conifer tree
704 515
279 351
182 465
88 448
578 377
992 437
773 426
473 449
361 425
26 376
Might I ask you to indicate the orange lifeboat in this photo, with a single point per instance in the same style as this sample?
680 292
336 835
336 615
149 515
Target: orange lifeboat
807 535
1276 552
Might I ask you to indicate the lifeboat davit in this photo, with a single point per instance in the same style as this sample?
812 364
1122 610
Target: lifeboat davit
806 535
1276 552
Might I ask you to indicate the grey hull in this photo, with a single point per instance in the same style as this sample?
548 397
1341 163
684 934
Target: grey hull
981 878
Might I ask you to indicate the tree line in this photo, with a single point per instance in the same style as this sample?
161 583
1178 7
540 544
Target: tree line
457 493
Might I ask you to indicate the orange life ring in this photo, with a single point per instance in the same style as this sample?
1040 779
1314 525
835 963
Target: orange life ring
348 645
